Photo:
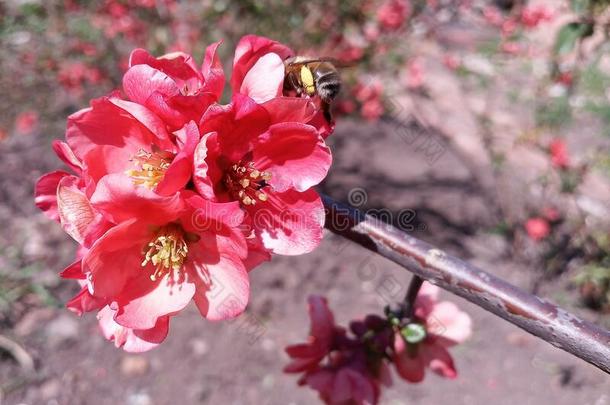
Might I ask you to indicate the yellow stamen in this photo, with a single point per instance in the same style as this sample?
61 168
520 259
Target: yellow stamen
150 167
166 252
247 184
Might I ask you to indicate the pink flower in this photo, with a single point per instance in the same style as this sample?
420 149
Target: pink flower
172 86
532 16
268 160
369 95
440 325
258 72
537 228
560 157
493 16
451 61
26 122
372 109
393 13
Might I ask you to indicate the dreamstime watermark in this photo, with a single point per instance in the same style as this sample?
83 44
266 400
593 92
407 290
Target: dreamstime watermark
293 219
414 134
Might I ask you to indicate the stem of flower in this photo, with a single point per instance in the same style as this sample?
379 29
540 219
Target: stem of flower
408 304
535 315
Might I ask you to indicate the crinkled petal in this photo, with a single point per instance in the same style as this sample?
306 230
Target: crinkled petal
46 193
179 172
213 74
450 325
121 200
85 302
223 288
438 359
249 50
144 301
265 79
76 214
295 156
130 340
116 258
289 223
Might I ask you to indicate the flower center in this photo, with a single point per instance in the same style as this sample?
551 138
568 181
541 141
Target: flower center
150 167
246 183
167 251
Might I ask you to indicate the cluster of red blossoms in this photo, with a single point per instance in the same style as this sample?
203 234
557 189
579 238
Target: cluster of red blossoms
174 197
353 368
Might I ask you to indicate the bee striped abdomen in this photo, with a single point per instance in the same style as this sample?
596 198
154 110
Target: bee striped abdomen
328 86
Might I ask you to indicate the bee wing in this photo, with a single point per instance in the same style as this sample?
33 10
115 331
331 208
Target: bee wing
298 61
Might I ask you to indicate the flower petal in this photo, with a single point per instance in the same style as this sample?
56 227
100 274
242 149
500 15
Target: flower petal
449 325
141 81
144 301
121 200
85 302
223 288
76 215
248 51
46 193
213 74
116 258
295 156
265 79
438 359
179 172
131 340
289 223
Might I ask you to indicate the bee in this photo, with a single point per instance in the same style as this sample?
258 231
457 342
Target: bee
314 76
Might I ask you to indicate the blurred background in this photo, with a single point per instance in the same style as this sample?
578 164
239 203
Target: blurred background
487 122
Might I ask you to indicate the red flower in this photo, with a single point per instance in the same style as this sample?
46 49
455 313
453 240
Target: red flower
172 86
149 267
537 228
120 141
345 376
443 326
26 122
393 13
267 159
560 157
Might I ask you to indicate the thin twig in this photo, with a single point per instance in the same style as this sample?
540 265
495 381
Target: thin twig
535 315
408 304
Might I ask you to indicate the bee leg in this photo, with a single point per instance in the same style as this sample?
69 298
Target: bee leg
326 112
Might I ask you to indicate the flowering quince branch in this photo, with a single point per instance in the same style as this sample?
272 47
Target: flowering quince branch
535 315
174 197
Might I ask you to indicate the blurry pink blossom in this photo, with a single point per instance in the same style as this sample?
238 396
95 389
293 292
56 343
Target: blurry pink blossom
26 122
452 61
532 16
493 16
559 154
372 110
537 228
445 325
393 13
415 73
